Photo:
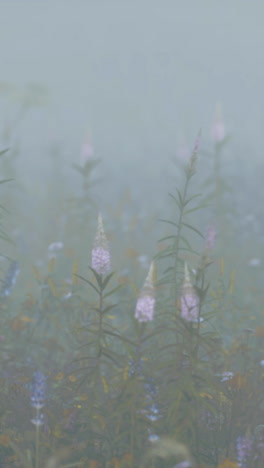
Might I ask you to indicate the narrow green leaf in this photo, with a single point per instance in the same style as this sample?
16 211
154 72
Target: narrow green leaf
4 151
106 280
113 290
98 277
175 199
193 229
5 180
89 282
192 198
167 238
169 222
108 308
200 207
180 198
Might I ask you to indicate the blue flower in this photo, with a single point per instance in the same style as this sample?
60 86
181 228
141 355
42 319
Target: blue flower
38 390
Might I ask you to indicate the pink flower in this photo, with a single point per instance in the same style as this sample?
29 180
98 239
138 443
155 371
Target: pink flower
210 237
145 309
146 302
100 252
184 152
189 299
218 127
87 152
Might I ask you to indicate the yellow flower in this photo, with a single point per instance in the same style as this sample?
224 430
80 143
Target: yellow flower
228 464
59 376
72 378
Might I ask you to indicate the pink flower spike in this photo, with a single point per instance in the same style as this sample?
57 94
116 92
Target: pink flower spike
189 299
218 127
210 237
146 302
87 152
100 252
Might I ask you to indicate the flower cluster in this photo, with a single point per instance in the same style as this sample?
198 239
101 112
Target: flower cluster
189 299
259 444
244 449
100 252
54 248
146 302
10 278
210 237
38 396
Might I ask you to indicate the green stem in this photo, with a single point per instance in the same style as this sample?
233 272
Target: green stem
134 395
177 244
37 441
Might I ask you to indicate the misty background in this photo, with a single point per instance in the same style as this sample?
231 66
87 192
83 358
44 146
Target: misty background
140 78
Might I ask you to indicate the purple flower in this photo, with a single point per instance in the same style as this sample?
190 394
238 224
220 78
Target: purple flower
100 253
146 302
184 464
38 390
210 237
189 299
244 449
259 444
145 309
38 396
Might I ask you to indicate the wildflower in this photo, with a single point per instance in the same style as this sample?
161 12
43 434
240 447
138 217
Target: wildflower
146 302
189 299
259 444
38 396
244 448
10 278
143 261
184 464
54 248
87 152
227 376
218 127
100 252
153 437
210 237
135 367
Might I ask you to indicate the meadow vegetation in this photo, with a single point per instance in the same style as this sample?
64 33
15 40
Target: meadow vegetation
130 337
